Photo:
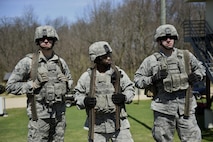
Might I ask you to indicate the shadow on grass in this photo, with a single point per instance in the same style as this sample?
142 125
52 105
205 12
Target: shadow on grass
207 134
133 118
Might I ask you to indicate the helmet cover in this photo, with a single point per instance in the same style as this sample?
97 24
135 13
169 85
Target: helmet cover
165 30
45 31
98 49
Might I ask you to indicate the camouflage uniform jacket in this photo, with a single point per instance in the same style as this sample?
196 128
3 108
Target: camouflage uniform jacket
20 83
104 121
166 102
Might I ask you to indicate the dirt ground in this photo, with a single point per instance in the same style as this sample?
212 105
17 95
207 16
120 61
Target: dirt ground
20 102
15 102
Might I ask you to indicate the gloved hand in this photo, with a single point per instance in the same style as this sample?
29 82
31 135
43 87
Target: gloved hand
2 89
62 77
193 78
160 75
42 77
118 99
90 102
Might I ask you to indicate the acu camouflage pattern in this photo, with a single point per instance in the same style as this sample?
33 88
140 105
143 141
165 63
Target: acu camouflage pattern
45 31
177 78
165 101
166 30
170 100
105 109
98 49
103 93
165 126
49 108
47 130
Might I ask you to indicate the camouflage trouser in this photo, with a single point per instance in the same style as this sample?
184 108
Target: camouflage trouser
47 130
165 126
119 136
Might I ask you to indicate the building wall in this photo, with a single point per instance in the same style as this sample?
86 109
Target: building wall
209 11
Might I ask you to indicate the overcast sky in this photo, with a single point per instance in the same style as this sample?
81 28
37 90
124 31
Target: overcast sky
51 9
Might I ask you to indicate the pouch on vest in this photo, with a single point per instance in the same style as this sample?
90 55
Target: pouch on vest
167 84
175 82
50 94
104 91
60 90
184 81
151 90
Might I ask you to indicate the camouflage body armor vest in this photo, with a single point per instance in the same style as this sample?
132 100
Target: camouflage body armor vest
177 78
54 90
104 90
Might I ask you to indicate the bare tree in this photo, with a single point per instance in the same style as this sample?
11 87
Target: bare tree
128 27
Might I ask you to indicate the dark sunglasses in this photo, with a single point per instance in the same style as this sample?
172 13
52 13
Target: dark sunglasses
46 38
166 37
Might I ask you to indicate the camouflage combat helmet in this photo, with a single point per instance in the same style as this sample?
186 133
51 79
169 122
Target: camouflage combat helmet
98 49
45 31
166 30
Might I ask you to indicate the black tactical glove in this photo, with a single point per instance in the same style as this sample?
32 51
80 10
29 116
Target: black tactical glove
90 102
2 89
193 78
160 75
118 99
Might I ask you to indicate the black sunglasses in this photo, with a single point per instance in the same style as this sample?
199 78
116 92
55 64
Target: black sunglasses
166 37
46 38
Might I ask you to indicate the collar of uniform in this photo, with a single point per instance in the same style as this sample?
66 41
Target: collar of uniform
174 52
43 58
109 71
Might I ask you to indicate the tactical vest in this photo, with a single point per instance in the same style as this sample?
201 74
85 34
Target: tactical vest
104 90
54 90
177 78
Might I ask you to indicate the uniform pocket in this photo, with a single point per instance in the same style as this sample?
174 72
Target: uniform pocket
168 84
184 81
175 82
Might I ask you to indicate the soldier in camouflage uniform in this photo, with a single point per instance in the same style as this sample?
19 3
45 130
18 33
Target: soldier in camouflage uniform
52 81
165 70
105 99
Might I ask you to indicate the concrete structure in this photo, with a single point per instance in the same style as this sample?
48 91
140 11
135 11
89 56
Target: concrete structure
209 10
206 37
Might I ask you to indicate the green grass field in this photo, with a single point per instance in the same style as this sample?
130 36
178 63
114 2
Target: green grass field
14 127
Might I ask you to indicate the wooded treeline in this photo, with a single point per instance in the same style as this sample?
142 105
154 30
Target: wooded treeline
129 29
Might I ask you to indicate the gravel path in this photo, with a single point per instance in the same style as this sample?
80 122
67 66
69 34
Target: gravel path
20 102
